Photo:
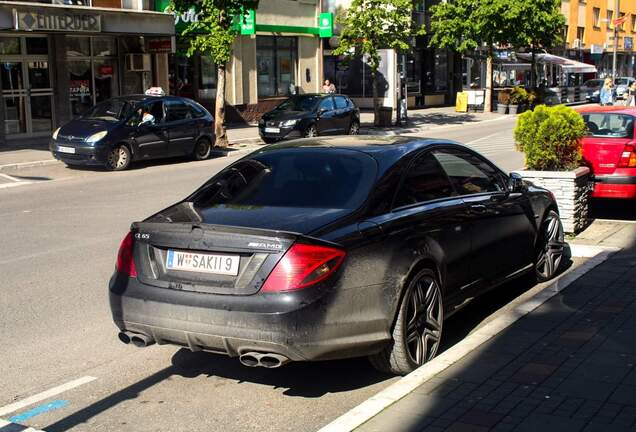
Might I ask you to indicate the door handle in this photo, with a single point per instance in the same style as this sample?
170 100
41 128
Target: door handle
478 208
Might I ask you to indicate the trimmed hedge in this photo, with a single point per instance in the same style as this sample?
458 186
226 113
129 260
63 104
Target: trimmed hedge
550 138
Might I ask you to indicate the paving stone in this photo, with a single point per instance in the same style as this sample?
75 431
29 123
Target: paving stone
466 427
624 394
533 373
549 423
585 388
595 426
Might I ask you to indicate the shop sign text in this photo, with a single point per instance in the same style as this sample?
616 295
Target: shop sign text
57 21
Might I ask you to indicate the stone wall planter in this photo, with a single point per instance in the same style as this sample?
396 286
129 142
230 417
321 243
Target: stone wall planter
501 108
571 190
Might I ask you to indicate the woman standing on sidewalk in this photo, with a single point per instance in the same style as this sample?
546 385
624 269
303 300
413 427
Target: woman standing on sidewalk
607 93
631 95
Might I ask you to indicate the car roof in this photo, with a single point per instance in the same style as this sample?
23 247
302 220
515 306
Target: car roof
143 98
386 150
603 109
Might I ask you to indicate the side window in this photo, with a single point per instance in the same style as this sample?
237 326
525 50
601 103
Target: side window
425 181
196 110
177 110
327 104
341 103
468 173
156 109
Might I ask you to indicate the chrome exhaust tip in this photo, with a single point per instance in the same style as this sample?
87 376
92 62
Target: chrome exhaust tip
141 340
249 359
125 336
266 360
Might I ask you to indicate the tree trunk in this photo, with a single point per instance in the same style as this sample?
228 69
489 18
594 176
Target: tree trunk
488 96
376 101
219 109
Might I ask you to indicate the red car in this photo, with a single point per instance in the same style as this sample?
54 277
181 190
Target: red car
610 150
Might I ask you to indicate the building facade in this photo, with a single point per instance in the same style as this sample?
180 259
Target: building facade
57 60
278 54
590 34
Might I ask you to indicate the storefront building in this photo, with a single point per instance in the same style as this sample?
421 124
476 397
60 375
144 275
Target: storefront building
277 54
57 61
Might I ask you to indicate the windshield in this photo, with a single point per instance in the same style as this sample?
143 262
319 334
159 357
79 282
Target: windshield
112 110
593 83
299 103
297 177
622 81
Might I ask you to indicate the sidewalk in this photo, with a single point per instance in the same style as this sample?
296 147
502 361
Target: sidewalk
568 365
35 152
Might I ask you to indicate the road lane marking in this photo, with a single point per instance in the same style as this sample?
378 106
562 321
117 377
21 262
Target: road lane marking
375 405
15 427
8 177
19 183
40 409
45 395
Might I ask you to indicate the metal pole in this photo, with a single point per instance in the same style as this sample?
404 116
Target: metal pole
615 45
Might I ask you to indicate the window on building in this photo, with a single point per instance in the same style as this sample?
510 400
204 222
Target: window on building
580 35
276 63
621 27
634 23
610 18
207 77
596 13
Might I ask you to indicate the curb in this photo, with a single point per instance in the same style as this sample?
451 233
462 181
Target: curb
230 151
376 404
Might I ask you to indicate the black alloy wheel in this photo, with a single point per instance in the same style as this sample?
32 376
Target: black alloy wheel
202 149
118 158
311 132
418 328
354 129
550 246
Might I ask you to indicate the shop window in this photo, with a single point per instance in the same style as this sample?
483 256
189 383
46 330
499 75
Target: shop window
39 75
276 59
207 77
9 45
441 71
80 86
104 46
78 46
105 73
37 45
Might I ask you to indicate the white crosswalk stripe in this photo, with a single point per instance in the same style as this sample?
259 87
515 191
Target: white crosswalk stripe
16 427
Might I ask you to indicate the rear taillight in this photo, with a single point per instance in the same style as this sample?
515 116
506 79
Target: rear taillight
628 157
303 265
125 260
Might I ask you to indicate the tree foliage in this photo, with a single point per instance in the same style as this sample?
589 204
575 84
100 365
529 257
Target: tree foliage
214 32
539 23
550 137
370 25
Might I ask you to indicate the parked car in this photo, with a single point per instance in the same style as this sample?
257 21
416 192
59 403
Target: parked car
592 89
310 115
332 248
610 150
121 130
622 84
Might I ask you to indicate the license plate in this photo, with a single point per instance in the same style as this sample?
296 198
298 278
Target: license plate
272 130
203 263
63 149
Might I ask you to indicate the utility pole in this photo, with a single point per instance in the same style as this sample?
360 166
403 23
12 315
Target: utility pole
615 44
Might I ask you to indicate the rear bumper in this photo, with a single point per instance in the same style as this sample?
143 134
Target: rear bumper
615 186
297 325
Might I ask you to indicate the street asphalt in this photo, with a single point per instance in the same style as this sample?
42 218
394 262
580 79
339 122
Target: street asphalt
60 232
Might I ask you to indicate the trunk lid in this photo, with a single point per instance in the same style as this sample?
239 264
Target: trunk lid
257 252
603 154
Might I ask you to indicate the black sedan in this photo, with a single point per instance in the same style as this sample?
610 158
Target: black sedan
119 131
310 115
332 248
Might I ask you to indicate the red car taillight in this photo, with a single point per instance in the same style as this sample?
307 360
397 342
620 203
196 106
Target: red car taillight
628 157
303 265
125 260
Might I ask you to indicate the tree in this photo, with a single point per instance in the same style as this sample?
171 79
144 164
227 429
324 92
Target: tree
213 34
370 25
468 24
539 25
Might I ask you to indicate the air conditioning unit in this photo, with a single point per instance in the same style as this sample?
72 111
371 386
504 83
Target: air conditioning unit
137 62
576 43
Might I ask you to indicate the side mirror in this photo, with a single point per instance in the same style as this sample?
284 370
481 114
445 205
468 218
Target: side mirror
515 183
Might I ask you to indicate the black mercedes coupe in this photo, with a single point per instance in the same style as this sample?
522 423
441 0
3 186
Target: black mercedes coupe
329 248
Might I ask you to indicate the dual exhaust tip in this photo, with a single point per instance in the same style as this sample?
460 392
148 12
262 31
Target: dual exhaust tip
139 340
266 360
251 359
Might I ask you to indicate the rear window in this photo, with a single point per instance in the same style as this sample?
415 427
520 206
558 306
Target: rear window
610 125
298 177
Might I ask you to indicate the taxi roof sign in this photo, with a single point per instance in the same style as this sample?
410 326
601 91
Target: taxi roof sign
155 91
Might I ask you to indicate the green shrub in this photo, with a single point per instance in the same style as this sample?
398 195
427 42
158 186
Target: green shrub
518 96
550 138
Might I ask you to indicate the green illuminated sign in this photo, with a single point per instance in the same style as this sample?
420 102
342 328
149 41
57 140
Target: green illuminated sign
325 25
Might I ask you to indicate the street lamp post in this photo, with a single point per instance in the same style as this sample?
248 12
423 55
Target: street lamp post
615 44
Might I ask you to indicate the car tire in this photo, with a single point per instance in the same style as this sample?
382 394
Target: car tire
354 129
202 149
550 247
269 140
118 159
311 132
416 337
